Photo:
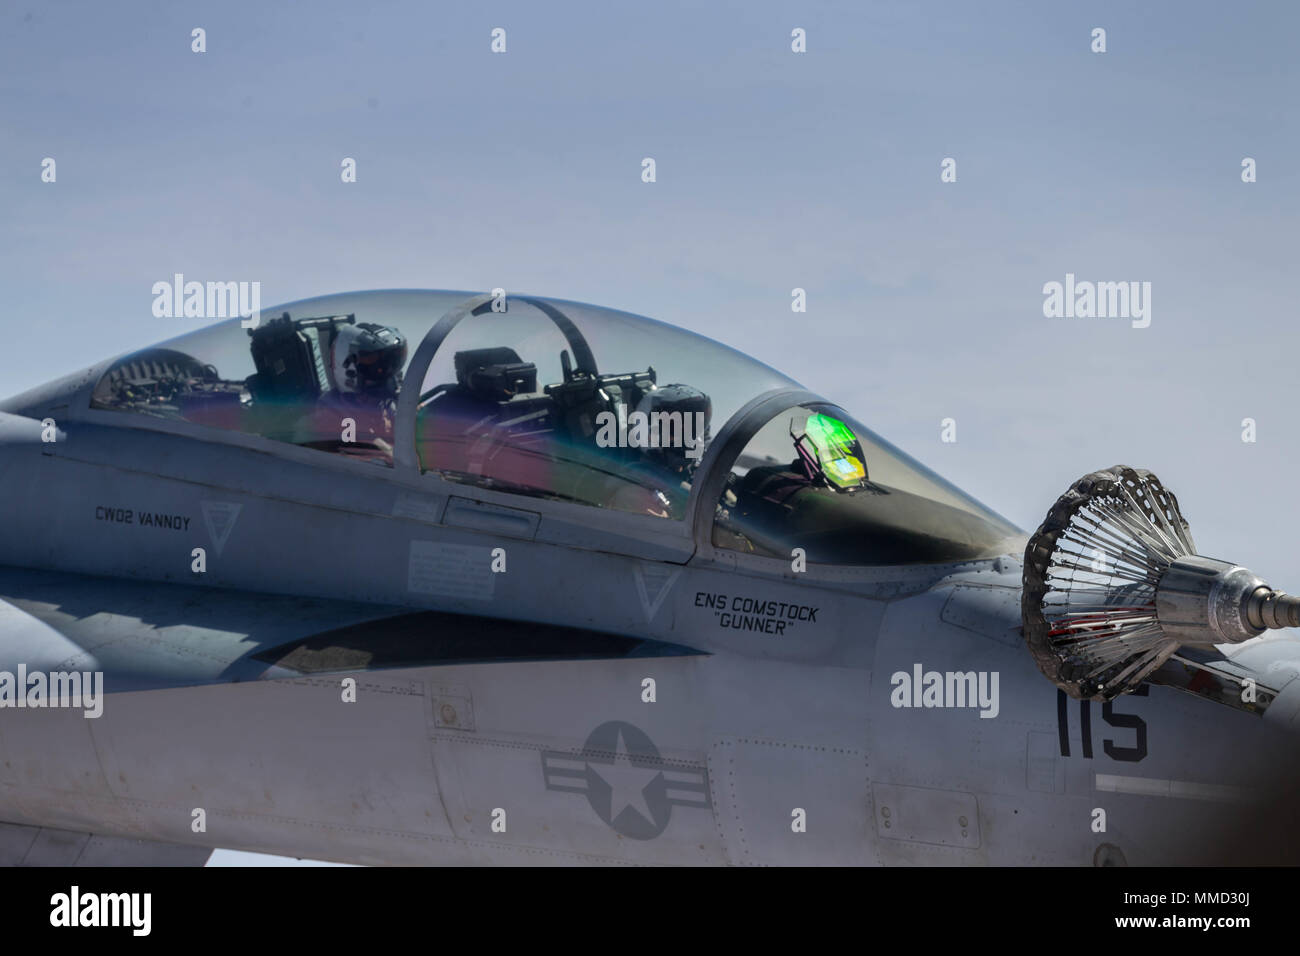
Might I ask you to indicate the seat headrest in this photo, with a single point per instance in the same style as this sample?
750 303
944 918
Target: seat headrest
495 374
471 360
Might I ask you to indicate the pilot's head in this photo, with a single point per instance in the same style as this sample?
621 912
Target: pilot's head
679 417
367 360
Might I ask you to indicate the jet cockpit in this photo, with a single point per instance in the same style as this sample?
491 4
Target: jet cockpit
558 402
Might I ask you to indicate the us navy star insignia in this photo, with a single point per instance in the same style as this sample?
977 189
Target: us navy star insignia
626 780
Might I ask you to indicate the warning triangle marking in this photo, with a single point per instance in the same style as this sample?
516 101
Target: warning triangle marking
220 517
653 582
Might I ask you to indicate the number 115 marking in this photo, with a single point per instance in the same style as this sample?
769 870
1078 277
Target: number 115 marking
1123 721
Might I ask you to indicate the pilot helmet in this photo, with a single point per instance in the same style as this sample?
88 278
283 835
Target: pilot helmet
678 417
367 359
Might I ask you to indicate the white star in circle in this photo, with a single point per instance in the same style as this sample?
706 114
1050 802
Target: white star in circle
627 782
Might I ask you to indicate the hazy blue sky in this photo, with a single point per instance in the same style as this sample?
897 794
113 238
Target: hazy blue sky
775 170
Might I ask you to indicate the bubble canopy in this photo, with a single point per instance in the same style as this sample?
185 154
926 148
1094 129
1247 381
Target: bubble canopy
541 399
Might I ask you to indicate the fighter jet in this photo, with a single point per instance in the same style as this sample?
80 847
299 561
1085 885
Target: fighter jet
414 577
